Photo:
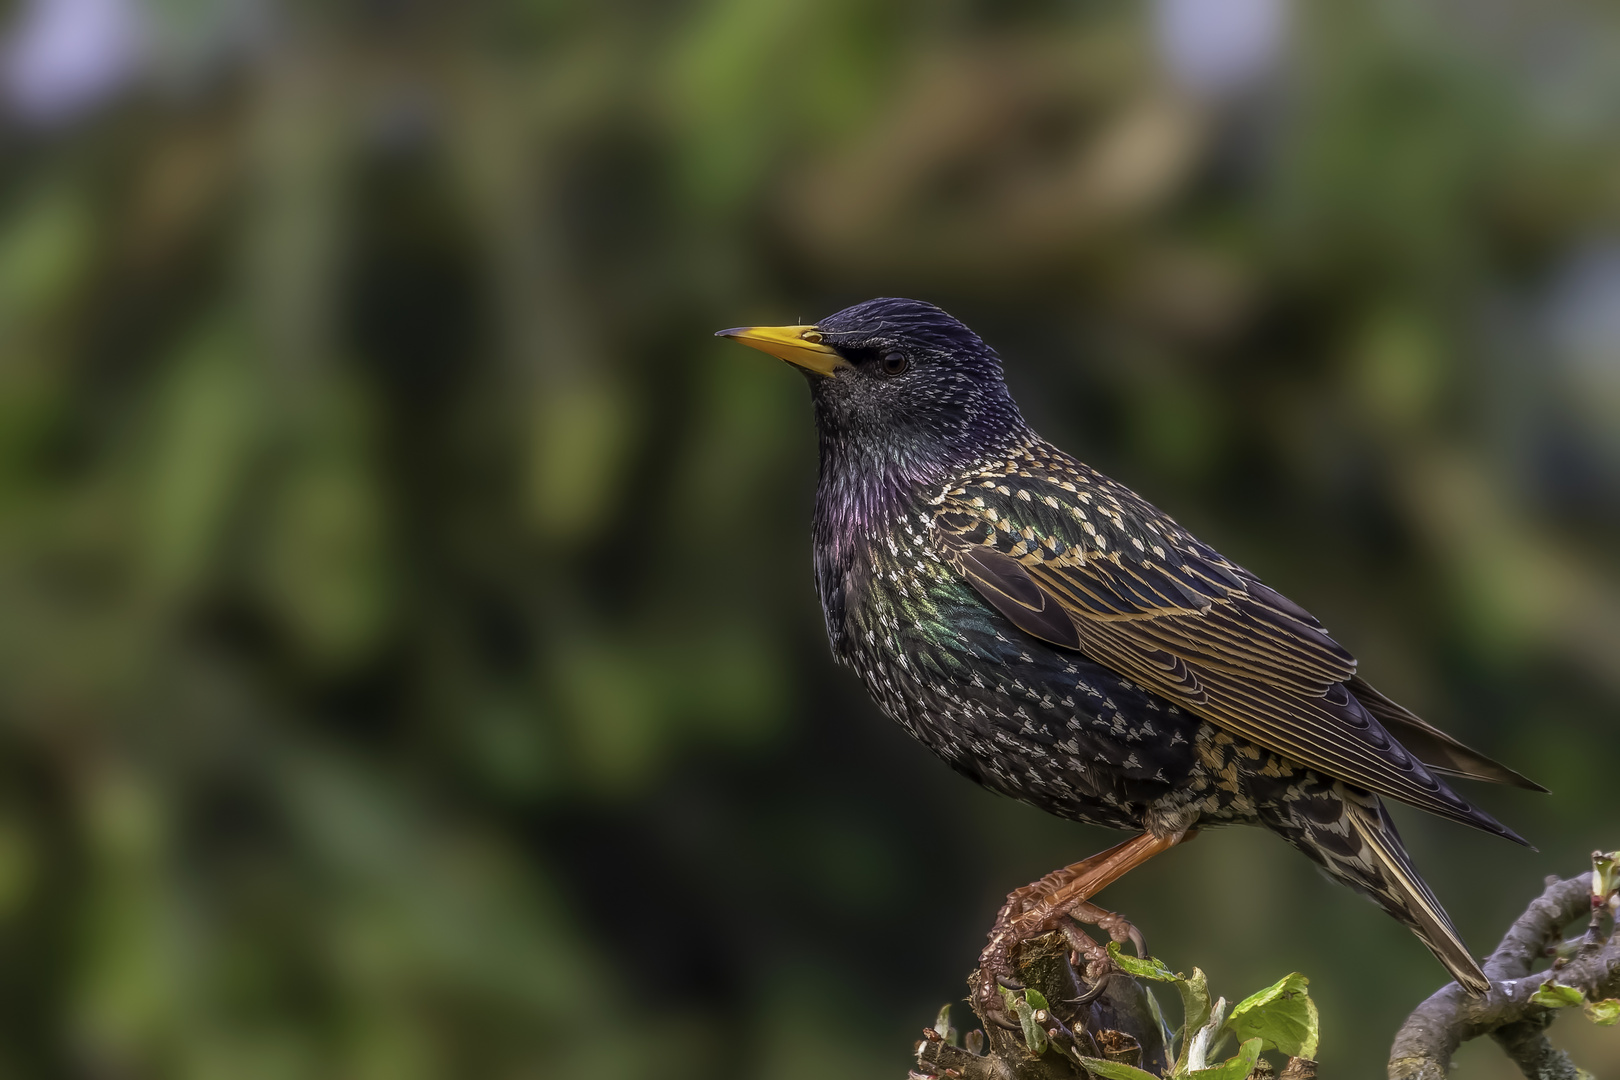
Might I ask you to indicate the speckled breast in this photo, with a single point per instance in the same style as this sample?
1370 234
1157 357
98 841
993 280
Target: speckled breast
1042 725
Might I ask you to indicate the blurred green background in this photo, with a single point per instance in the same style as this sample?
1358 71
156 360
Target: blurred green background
409 665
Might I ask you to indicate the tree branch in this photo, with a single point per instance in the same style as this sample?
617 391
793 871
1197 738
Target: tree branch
1081 1010
1096 1011
1117 1023
1431 1035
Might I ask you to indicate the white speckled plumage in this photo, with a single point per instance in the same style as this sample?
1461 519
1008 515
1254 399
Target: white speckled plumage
1056 638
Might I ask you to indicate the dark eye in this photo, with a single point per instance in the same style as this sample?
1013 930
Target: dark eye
894 363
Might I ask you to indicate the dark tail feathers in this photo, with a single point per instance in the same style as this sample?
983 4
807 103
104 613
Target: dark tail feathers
1363 850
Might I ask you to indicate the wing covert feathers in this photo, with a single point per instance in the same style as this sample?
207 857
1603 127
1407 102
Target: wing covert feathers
1000 580
1076 559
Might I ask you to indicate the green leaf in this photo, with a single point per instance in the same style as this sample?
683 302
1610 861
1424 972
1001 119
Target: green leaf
1282 1015
1194 1010
1603 1012
1115 1070
1556 996
1036 999
1138 968
1233 1068
1034 1035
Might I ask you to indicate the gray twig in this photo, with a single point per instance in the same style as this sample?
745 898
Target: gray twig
1426 1042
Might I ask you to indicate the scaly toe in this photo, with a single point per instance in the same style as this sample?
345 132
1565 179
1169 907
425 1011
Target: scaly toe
1117 927
988 1002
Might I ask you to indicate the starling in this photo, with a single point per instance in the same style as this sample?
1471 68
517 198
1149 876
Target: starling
1059 640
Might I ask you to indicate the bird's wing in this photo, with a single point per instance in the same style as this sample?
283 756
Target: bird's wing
1436 749
1040 534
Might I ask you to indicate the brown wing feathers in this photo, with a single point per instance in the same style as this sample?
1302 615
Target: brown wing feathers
1000 579
1439 751
1199 631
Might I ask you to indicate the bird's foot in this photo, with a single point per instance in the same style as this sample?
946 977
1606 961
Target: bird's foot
1015 925
1117 927
1098 965
996 968
1054 903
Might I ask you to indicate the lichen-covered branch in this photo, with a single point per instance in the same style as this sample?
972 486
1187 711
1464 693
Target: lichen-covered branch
1520 1005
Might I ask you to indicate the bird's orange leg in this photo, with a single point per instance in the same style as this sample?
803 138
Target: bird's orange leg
1042 906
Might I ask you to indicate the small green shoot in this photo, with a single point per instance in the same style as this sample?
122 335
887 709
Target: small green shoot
1604 1012
1034 1035
1237 1067
1557 996
943 1025
1605 875
1140 968
1281 1017
1195 1010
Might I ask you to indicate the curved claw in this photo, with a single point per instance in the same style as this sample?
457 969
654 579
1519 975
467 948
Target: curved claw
1000 1018
1009 982
1118 928
1096 989
990 1009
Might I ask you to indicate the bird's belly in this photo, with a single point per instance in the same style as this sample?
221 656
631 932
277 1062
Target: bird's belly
1041 725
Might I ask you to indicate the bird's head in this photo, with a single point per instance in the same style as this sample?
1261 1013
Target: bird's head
897 383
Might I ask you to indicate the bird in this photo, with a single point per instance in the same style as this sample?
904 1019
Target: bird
1056 638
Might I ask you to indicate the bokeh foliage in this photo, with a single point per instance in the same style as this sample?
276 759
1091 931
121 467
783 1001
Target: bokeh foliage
408 662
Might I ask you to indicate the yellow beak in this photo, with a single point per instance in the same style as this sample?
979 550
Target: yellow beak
799 345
